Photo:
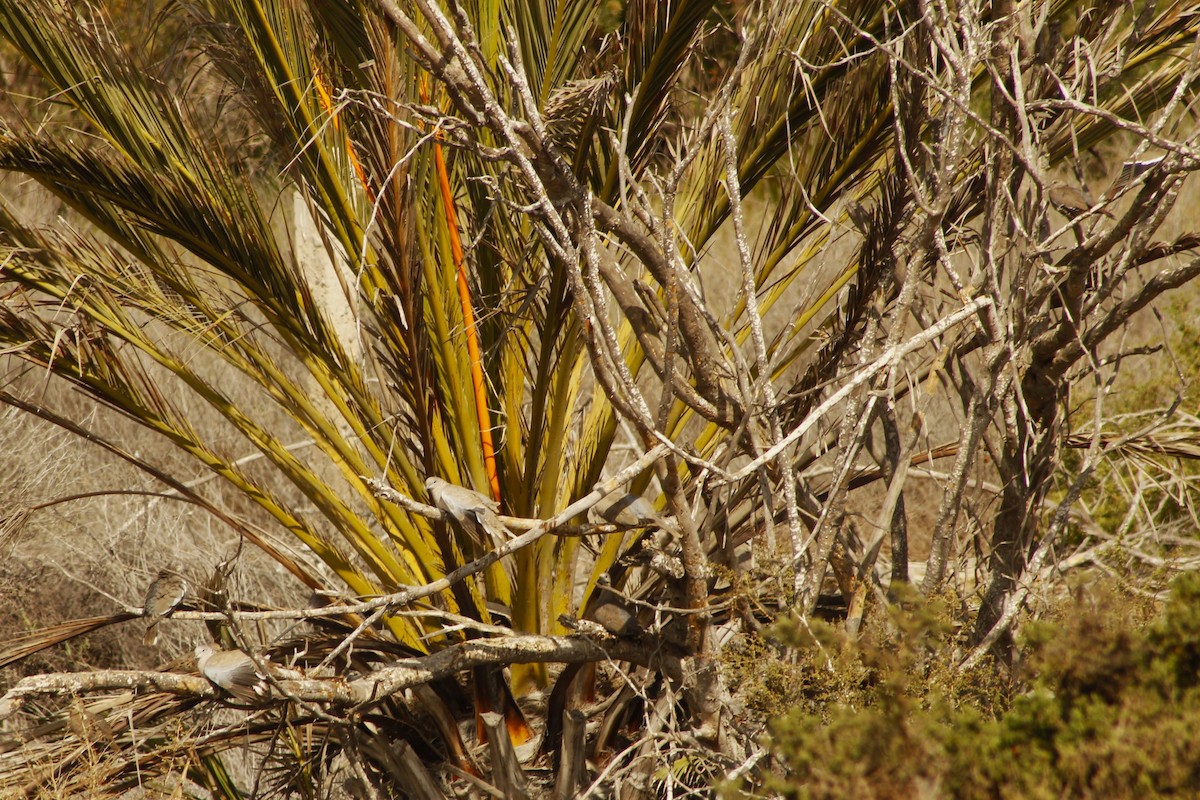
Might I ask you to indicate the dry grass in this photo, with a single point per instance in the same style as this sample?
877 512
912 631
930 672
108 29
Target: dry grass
82 532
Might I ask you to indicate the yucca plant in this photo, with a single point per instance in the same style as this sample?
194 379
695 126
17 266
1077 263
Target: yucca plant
519 206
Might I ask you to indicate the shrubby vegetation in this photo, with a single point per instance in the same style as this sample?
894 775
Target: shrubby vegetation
1105 704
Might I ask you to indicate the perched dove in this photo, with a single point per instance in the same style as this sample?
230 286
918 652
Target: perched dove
628 511
233 671
165 594
609 608
1072 202
470 510
88 725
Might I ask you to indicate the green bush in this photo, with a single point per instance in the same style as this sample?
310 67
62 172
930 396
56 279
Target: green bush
1106 706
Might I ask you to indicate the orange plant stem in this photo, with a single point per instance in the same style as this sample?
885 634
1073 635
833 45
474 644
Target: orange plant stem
329 108
468 312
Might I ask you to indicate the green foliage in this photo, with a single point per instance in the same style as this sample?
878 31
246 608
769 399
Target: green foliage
1109 707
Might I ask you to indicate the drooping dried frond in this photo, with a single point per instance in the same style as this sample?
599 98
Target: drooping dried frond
577 104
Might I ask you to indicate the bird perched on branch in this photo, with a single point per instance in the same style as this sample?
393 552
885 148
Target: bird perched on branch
471 511
629 511
1070 201
165 594
89 726
613 611
233 671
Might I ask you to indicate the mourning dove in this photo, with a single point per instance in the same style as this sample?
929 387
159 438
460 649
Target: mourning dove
164 595
88 725
233 671
628 511
613 611
470 511
1070 201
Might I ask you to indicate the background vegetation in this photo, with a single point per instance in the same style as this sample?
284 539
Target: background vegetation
864 296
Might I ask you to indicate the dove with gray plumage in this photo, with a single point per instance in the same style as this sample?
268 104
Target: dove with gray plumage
628 511
89 726
233 671
471 511
613 611
165 594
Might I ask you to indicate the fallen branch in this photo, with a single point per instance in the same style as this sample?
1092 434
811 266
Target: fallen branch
387 681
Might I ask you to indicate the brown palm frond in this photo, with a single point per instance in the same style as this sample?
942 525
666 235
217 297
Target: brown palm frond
14 650
577 104
1183 445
